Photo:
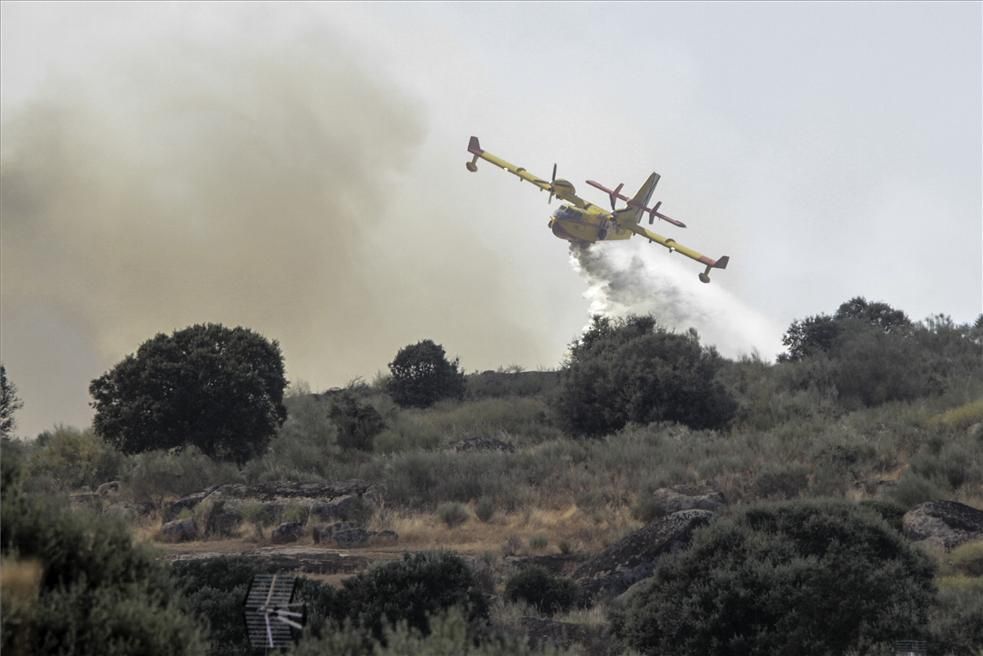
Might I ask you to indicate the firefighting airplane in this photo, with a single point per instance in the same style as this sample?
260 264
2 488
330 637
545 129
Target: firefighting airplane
583 223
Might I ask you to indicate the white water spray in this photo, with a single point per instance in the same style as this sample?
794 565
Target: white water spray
629 278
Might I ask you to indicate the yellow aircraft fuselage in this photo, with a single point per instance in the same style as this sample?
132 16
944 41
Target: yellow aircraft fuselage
585 226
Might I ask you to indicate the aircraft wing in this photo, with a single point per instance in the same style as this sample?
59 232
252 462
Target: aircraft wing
561 188
673 245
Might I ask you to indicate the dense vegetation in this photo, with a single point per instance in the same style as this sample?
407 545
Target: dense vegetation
866 405
788 577
216 388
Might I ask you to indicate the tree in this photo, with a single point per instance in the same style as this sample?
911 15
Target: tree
809 578
357 421
819 334
217 388
422 375
629 370
9 404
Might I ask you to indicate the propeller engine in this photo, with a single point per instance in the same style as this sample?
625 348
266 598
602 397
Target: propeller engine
560 188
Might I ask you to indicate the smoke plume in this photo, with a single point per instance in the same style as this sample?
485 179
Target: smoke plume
242 183
634 278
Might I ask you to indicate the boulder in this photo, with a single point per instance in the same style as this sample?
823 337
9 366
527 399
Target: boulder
287 532
179 530
348 538
668 500
946 524
635 556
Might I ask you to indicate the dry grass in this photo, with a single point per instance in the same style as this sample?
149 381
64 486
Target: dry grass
584 531
19 581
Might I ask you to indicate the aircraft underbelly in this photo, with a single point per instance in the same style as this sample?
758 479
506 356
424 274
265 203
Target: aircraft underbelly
582 231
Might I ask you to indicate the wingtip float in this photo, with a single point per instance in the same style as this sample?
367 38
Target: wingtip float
584 223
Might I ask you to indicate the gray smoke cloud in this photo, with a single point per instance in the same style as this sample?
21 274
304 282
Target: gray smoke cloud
635 278
238 183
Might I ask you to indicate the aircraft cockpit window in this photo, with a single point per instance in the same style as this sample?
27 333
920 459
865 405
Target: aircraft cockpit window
565 213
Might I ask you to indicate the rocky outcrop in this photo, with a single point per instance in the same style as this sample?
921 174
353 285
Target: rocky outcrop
635 556
945 524
179 530
668 500
287 532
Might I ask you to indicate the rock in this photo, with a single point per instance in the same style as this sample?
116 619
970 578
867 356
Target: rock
348 538
668 500
287 532
635 556
109 489
348 507
179 530
944 523
482 444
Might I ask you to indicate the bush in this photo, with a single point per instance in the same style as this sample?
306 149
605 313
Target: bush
97 593
451 635
453 514
357 421
956 623
74 459
409 590
156 475
216 388
485 509
537 587
816 577
630 371
422 375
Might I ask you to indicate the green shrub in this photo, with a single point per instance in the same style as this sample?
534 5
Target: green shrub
357 421
913 489
156 475
785 481
453 514
956 623
484 510
631 371
75 458
422 375
816 577
98 592
539 588
888 510
408 590
538 542
451 634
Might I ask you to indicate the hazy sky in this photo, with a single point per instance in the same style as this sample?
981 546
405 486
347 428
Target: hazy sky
298 169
